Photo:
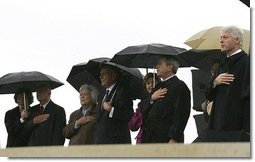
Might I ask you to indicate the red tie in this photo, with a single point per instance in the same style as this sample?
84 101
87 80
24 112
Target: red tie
41 110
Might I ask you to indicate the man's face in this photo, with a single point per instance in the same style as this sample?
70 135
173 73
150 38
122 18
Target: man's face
228 43
162 68
43 94
107 77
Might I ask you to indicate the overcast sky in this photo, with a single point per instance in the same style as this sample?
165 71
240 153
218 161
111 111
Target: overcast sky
53 35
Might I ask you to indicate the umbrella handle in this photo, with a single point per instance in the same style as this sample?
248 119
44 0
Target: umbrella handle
25 103
154 77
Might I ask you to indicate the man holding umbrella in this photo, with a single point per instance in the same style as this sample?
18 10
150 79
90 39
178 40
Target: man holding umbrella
115 109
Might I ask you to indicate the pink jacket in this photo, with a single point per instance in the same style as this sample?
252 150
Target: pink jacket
135 123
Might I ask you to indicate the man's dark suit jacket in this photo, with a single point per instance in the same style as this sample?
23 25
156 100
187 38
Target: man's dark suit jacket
166 118
49 132
15 129
231 106
115 130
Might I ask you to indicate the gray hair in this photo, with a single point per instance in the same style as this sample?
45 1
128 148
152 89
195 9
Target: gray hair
171 60
235 32
93 90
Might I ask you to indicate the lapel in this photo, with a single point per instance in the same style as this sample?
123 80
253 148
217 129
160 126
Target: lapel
110 98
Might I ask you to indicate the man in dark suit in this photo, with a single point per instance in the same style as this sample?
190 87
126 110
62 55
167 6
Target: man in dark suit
168 106
47 120
230 88
115 109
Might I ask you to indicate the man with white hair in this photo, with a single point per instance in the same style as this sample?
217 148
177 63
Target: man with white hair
230 89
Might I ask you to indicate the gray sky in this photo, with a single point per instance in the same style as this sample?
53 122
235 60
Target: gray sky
52 35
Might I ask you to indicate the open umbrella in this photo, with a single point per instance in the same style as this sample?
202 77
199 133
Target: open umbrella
202 59
146 56
10 82
210 39
80 74
131 76
200 79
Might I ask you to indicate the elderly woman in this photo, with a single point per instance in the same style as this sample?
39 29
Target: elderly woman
17 117
80 128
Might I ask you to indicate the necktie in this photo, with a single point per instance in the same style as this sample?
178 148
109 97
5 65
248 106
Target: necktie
41 110
106 96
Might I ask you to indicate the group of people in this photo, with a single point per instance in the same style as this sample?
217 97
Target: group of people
161 116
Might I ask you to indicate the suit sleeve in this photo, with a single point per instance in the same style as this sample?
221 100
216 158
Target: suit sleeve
13 126
60 122
123 105
182 107
246 95
68 130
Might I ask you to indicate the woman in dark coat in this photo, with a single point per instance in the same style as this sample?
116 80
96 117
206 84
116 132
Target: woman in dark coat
17 117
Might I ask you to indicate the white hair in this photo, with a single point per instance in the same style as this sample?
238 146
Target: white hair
93 91
235 32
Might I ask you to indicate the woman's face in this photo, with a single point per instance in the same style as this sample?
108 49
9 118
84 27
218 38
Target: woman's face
149 84
20 101
85 97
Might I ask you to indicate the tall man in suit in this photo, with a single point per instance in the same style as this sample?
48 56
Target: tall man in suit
47 120
230 88
168 106
115 109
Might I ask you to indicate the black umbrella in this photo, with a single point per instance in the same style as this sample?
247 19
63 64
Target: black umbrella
146 56
80 74
202 59
200 79
10 82
131 76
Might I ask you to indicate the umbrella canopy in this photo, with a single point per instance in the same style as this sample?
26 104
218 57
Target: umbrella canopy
80 74
10 82
210 39
146 56
202 59
89 73
200 79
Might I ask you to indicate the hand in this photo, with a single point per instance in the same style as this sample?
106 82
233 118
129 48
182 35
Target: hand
85 119
40 118
172 141
223 78
107 106
160 93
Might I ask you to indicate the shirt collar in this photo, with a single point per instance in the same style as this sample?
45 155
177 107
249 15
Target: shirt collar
111 87
168 78
44 105
237 51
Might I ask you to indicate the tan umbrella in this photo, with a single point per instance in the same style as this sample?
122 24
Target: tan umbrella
210 39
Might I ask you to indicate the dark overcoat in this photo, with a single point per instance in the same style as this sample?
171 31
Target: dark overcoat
231 106
15 129
114 130
49 132
166 118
